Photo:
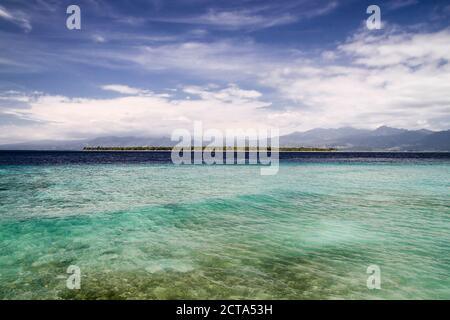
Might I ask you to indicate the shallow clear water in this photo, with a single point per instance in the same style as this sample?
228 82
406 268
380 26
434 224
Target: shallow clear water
159 231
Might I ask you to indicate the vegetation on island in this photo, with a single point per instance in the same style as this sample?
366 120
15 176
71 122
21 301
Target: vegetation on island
236 149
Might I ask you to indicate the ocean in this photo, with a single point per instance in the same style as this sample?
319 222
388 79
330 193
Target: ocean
139 227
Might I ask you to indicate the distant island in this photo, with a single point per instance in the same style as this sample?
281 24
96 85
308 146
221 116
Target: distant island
247 149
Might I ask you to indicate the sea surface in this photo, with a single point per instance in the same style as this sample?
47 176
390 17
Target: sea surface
139 227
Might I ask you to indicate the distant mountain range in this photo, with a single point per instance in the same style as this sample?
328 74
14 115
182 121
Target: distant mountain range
383 138
351 139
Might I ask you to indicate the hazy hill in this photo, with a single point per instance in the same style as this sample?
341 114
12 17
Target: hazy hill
383 138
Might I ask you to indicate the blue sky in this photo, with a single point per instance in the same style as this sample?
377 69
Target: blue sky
147 67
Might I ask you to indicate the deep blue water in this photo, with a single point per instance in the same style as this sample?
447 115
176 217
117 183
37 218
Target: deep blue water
163 157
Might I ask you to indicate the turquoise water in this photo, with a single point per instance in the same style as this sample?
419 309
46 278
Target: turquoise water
158 231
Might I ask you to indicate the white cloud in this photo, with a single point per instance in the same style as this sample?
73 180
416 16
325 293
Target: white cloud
16 18
231 94
8 62
123 89
5 14
59 117
410 49
328 55
98 38
397 79
257 16
199 57
240 19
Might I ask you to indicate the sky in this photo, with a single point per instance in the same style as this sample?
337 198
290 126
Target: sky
148 67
